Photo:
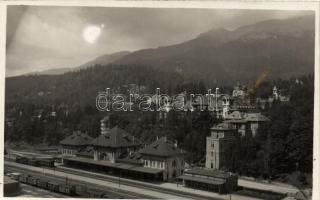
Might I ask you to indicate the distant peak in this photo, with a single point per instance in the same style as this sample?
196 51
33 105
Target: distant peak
214 31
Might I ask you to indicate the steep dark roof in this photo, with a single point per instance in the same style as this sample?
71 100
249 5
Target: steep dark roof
162 147
234 115
116 138
132 158
86 152
222 126
77 139
256 117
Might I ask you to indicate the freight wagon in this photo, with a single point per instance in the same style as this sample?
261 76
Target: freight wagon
23 178
54 187
42 184
68 189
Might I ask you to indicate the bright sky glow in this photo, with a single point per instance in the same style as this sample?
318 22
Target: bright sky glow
91 34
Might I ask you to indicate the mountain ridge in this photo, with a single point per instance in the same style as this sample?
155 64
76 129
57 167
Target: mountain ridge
104 59
279 48
223 54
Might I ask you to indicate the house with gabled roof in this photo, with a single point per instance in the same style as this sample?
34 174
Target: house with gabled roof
165 155
248 123
112 143
73 143
256 120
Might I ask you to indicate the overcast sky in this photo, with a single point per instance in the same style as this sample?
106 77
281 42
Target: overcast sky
41 38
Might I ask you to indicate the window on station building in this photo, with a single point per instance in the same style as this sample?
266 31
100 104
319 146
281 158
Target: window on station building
174 163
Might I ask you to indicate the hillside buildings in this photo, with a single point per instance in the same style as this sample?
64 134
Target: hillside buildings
247 124
118 152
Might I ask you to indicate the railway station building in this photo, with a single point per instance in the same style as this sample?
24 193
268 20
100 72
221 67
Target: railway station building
112 144
74 143
160 161
117 152
165 155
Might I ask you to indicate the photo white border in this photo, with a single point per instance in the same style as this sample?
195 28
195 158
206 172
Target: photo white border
256 5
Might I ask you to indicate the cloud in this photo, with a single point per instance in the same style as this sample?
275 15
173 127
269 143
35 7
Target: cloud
43 37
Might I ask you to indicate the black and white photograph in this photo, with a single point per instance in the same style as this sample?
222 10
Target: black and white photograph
120 102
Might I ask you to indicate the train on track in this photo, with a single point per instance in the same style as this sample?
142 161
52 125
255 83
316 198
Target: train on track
38 162
64 187
46 184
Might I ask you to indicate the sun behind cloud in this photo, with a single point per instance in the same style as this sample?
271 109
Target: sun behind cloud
91 33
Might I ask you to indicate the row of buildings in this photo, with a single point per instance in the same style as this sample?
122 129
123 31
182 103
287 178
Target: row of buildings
121 152
117 152
223 106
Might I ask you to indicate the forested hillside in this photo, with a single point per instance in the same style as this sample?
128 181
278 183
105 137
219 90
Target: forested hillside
286 143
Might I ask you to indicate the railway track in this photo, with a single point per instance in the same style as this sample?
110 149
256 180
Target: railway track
115 193
136 184
144 186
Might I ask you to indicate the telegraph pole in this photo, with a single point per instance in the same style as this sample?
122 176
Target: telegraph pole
217 89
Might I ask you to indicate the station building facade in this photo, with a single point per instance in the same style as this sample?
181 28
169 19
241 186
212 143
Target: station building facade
112 144
165 155
117 152
72 144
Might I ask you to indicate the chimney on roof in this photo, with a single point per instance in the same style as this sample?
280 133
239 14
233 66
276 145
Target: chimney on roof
157 138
